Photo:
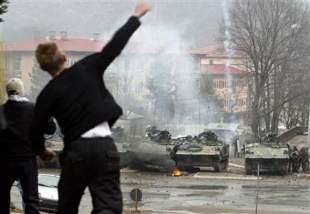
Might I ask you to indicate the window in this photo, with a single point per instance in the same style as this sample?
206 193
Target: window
221 84
236 84
226 84
216 84
241 83
244 102
18 65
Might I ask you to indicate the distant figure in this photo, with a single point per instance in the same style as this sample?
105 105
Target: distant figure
271 137
17 160
236 148
85 111
304 159
173 153
295 160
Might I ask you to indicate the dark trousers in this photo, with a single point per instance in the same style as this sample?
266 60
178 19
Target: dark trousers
27 173
92 163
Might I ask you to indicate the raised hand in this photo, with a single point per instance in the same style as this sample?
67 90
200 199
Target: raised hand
141 9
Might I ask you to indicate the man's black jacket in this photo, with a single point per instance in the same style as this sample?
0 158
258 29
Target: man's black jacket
14 140
78 98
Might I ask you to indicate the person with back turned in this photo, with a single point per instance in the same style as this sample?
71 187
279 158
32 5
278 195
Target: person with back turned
17 160
85 111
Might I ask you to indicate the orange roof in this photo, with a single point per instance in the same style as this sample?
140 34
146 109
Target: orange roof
221 69
215 50
210 49
89 45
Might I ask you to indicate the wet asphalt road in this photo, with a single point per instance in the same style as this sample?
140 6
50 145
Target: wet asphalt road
209 192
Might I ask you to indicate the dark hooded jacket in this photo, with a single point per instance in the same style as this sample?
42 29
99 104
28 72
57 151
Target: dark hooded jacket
14 140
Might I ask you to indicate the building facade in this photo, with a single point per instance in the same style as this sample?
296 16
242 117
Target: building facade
128 76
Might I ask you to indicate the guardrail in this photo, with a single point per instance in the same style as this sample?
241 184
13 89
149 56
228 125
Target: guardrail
286 136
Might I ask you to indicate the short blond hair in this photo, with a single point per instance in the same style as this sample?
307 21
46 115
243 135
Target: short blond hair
49 56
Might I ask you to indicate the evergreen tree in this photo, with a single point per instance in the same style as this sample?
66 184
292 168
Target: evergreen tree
3 8
39 79
159 83
207 89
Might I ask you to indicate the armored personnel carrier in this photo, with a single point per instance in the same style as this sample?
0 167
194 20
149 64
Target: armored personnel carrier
151 152
204 150
271 155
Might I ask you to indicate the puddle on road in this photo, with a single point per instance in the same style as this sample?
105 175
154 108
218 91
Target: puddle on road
287 188
203 187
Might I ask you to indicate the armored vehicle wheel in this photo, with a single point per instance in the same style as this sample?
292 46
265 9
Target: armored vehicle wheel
224 166
248 169
221 166
189 169
284 170
168 166
185 168
217 167
180 165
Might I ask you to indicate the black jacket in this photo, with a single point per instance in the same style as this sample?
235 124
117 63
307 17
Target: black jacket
14 140
78 98
2 119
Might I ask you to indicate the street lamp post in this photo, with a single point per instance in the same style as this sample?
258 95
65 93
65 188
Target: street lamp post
297 26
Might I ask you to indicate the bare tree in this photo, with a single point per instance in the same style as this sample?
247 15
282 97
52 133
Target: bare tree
122 76
261 30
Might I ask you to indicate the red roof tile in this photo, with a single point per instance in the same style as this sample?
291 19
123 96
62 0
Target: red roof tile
72 44
215 50
89 45
220 69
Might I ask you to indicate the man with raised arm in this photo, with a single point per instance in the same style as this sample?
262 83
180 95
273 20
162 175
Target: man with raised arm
85 111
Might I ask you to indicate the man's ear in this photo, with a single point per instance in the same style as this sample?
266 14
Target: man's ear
64 57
